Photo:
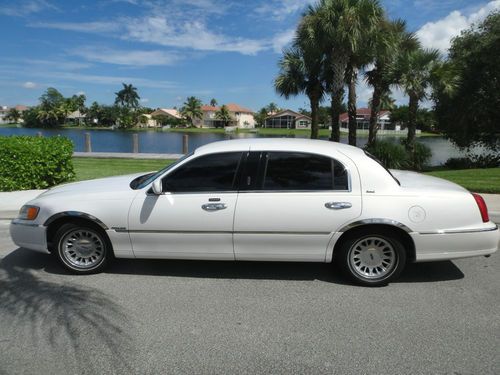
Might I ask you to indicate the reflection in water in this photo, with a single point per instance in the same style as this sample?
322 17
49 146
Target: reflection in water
157 141
82 328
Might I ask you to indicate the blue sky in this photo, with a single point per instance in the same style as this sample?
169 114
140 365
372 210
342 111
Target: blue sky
169 50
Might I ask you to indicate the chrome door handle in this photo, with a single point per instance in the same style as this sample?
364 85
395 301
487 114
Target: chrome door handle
338 205
213 206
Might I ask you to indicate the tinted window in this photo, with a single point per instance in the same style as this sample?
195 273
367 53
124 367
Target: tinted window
214 172
299 171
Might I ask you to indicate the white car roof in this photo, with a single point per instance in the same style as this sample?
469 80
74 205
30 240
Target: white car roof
280 144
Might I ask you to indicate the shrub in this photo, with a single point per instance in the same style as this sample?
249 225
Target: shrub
391 155
418 159
458 163
34 162
474 161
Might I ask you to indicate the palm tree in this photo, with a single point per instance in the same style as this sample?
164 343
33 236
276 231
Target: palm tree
13 115
272 108
213 102
224 115
414 73
127 96
301 70
341 27
191 110
389 40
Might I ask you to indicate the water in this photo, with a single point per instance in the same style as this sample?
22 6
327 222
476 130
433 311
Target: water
157 141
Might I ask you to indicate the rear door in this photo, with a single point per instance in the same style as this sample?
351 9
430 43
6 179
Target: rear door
290 204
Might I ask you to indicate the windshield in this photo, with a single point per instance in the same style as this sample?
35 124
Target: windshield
382 165
144 180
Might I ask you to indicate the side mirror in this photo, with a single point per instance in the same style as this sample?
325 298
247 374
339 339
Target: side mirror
157 187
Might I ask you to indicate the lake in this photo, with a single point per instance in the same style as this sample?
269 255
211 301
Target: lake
154 141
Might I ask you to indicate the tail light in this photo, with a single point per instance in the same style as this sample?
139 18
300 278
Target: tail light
482 207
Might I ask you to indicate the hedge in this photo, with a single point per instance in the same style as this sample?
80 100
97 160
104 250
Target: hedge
34 162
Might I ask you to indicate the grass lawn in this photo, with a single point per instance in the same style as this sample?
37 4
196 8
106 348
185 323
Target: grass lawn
478 180
90 168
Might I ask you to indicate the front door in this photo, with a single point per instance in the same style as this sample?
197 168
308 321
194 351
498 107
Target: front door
292 206
194 216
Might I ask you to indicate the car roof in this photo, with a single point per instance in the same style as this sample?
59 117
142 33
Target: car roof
280 144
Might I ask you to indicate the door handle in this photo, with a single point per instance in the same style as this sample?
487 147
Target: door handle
214 206
338 205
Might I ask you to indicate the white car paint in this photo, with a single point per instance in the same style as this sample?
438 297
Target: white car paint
442 218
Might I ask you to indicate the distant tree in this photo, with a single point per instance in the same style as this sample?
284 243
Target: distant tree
470 114
127 97
425 119
77 103
13 115
191 110
272 108
224 115
213 102
260 117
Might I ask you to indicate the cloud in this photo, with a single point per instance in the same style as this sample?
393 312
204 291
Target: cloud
281 40
281 9
144 100
126 57
438 34
194 34
25 8
80 93
99 27
29 85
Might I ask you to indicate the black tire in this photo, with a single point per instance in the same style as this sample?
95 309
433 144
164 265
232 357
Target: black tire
368 262
82 249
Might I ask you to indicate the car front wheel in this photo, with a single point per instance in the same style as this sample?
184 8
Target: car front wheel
82 249
372 259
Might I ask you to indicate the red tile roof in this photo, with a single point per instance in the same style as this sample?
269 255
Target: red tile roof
232 107
365 112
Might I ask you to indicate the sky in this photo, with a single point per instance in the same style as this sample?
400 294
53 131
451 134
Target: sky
170 49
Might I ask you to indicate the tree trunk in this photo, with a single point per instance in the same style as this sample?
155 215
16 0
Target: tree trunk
375 110
351 106
412 122
339 64
314 116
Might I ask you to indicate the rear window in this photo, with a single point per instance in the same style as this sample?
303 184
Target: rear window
383 166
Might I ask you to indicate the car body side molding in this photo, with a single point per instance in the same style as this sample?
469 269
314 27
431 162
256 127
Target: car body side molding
359 223
75 214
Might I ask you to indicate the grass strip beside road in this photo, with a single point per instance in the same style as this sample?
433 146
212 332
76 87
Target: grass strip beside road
485 180
478 180
90 168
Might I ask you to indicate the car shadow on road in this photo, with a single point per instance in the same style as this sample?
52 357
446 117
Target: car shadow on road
82 327
415 272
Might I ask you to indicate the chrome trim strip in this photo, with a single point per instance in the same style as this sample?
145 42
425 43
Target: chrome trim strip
119 230
458 231
376 221
75 214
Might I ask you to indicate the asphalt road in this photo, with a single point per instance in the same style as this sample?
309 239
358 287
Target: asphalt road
190 317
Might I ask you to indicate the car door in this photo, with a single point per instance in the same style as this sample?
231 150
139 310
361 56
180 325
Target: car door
193 218
290 205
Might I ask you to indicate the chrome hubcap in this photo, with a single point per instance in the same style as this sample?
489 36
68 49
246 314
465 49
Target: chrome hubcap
83 248
372 257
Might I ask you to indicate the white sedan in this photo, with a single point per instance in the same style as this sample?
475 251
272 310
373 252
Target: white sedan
262 199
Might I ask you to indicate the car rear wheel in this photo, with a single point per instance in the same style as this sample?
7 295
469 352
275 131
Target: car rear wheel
372 259
82 249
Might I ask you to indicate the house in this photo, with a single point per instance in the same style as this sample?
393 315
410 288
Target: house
363 116
168 113
241 117
4 110
76 117
288 119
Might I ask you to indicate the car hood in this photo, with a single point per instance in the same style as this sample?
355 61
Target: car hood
414 180
102 185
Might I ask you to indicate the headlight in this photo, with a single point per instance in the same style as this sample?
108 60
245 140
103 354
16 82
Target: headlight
28 212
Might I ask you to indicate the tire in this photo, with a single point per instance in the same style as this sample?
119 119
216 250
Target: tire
82 249
372 258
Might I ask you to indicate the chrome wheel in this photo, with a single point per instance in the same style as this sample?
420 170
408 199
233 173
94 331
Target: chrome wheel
372 257
82 248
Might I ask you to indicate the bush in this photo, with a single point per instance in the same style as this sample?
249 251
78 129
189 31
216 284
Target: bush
418 159
391 155
34 162
474 161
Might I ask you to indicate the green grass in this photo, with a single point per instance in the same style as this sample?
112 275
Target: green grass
10 125
479 180
90 168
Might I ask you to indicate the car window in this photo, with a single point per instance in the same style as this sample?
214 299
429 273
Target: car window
301 171
214 172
